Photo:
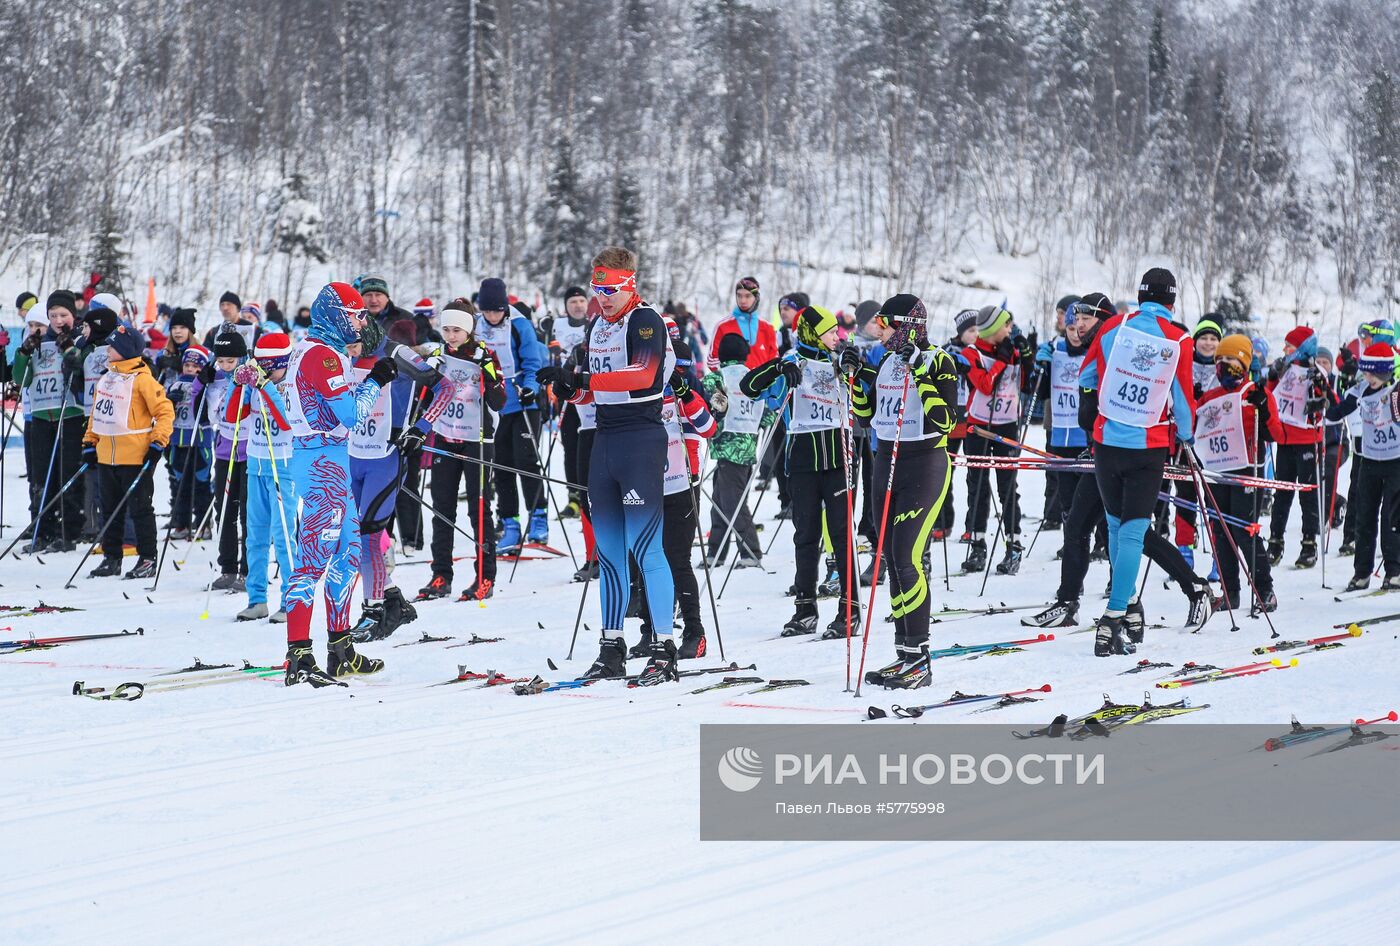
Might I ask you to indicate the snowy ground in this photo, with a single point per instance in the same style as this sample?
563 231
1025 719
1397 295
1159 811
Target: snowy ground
392 812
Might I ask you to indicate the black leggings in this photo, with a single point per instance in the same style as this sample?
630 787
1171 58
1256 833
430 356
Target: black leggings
1238 501
448 472
677 539
233 517
1377 503
979 491
516 447
1297 463
812 493
921 478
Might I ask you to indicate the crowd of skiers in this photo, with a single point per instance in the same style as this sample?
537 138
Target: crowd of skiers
312 445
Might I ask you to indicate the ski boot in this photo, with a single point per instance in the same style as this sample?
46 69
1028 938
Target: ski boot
1134 621
662 665
643 647
877 677
1011 563
342 661
611 662
1199 607
1307 555
278 617
1391 583
1275 552
397 612
240 585
1099 554
1109 637
509 543
868 575
1189 554
478 591
180 535
1348 547
587 572
439 587
1270 603
144 568
976 557
108 568
831 587
1051 525
253 612
1359 583
302 668
692 644
784 512
538 531
1059 614
371 620
749 561
1226 602
67 545
837 628
913 672
570 510
803 620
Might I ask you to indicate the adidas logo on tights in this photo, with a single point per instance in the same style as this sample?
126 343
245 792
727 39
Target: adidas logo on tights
632 499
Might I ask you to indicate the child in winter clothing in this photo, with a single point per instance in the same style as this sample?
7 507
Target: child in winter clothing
1377 471
964 334
230 463
189 458
259 405
735 448
1294 382
126 436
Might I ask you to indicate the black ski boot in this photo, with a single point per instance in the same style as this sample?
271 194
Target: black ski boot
837 628
1270 603
1011 562
1275 551
1391 583
478 591
803 620
366 629
1359 583
1307 555
1199 607
611 662
976 557
693 644
439 587
1110 637
913 672
144 568
1135 621
397 612
108 568
1348 547
831 587
1059 614
342 661
868 575
877 677
588 572
643 647
302 668
662 665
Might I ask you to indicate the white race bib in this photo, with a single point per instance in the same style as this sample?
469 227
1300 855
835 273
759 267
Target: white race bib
370 440
1221 442
111 405
185 417
1380 436
301 425
46 387
677 463
461 418
1291 395
94 364
1003 405
817 404
1064 389
1137 378
744 413
497 338
215 402
898 411
260 445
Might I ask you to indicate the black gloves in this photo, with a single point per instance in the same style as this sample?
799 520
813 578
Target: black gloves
1006 351
384 371
680 385
849 361
549 374
153 454
177 393
1257 396
206 374
527 396
411 440
1023 347
31 343
90 454
792 374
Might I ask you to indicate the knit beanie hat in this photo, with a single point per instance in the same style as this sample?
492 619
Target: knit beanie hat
1237 347
273 351
492 296
126 341
573 291
1157 285
1065 302
795 300
1324 353
63 299
195 355
865 311
230 345
183 317
812 323
423 306
990 319
1207 326
1381 331
905 313
733 347
964 320
1097 304
1378 359
1298 336
252 310
25 301
232 297
373 284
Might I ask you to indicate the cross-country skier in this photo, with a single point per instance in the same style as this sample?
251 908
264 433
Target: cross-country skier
188 457
323 408
1137 379
964 334
230 464
629 353
735 448
909 398
1377 471
1295 384
565 335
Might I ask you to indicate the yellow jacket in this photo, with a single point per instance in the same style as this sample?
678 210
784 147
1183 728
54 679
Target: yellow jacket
150 417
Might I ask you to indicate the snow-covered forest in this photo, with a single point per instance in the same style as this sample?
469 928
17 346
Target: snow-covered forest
1253 143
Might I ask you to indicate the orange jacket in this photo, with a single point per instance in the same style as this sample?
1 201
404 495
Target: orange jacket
149 408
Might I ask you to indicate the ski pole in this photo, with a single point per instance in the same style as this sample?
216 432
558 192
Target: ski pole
481 494
1247 567
48 474
578 618
223 501
501 466
705 563
731 525
34 523
852 582
884 523
276 479
443 519
170 525
116 511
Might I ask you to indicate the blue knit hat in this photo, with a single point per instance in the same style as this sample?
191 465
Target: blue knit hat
492 296
126 341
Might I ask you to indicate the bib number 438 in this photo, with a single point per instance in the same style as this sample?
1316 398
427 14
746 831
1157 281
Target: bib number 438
1130 393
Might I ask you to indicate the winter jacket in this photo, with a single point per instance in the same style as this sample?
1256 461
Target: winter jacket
761 336
726 445
150 408
1177 418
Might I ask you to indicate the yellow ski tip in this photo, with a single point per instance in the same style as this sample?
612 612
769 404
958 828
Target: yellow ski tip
1354 630
204 616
